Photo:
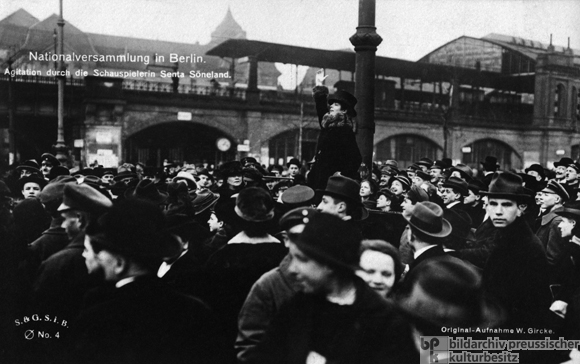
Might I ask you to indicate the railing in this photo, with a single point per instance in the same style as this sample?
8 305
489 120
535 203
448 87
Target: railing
169 87
45 80
491 114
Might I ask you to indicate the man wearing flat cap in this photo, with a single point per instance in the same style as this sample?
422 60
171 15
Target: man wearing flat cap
516 273
62 279
136 317
552 198
336 317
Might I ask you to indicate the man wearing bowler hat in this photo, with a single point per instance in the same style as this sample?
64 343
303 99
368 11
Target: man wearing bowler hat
427 228
516 273
336 317
454 192
341 198
337 150
560 169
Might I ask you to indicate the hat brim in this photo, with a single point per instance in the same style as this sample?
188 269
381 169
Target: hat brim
160 198
206 204
318 254
510 196
445 229
362 212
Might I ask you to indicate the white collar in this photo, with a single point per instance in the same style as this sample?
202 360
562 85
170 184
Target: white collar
422 250
452 204
243 238
124 281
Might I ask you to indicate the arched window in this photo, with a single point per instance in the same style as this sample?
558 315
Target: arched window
285 145
507 157
407 149
559 96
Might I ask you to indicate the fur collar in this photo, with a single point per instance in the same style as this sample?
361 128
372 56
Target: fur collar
337 120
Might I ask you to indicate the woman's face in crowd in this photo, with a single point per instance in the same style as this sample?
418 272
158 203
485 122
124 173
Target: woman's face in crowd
378 270
365 189
31 190
397 188
566 227
235 181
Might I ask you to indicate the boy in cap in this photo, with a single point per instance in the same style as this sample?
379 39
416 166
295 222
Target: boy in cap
47 162
336 317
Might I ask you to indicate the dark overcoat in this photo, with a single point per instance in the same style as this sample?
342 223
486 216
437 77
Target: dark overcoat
336 151
516 275
144 321
370 331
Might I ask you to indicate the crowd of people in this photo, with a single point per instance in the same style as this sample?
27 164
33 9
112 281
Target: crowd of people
284 264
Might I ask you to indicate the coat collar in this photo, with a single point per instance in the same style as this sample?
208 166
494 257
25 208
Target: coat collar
547 218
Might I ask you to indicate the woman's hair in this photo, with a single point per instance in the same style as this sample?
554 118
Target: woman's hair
374 187
382 246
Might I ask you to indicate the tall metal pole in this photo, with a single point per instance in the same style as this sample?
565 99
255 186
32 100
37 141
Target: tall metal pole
60 147
365 42
11 138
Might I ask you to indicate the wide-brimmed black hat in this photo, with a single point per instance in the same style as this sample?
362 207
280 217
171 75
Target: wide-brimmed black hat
447 292
564 162
457 184
254 204
427 217
331 241
231 168
348 190
204 200
135 228
146 190
571 210
344 98
506 185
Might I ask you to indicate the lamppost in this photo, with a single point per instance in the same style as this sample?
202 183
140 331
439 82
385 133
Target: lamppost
60 147
11 138
365 42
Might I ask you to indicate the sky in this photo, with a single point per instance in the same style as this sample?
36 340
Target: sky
410 28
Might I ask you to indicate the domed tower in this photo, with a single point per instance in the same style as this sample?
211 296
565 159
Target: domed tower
228 29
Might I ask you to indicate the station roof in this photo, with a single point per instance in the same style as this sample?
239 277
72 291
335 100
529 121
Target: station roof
384 66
